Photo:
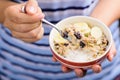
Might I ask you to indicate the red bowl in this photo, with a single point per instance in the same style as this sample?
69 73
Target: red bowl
76 19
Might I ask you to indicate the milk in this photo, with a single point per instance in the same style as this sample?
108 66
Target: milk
79 55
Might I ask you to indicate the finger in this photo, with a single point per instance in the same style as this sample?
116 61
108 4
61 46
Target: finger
54 59
80 72
31 7
19 17
96 68
30 35
111 53
38 37
65 69
22 28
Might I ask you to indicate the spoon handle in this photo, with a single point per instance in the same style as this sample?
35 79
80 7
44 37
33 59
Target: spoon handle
49 23
43 20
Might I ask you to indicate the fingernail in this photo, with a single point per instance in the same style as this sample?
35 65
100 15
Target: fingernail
41 16
64 69
97 70
80 73
32 9
111 57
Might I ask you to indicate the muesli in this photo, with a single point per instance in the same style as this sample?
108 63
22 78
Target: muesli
86 42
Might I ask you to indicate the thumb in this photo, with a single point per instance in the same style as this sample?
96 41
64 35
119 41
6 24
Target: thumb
112 52
31 7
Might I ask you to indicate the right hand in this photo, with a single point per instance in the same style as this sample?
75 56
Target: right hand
25 26
97 68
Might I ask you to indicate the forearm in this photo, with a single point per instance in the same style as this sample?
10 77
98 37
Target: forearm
3 5
107 11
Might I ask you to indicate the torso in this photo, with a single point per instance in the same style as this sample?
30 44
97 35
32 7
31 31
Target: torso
34 60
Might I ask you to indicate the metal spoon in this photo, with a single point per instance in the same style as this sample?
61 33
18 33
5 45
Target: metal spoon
63 34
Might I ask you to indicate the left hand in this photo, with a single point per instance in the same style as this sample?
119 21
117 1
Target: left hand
96 68
24 26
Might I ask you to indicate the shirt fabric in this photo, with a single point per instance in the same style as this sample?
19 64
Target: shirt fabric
33 61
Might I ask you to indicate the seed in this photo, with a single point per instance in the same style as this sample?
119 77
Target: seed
104 49
77 35
56 44
66 44
82 44
107 42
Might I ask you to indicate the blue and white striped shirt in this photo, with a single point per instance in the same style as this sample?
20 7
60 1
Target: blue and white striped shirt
32 61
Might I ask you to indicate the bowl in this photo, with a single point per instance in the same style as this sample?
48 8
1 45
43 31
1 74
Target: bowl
66 23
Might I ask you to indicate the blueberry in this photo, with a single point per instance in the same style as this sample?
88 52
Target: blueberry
65 34
82 44
77 35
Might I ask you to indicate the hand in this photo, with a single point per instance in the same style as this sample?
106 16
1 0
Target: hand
25 26
96 68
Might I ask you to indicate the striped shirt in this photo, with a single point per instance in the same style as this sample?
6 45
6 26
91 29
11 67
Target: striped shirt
32 61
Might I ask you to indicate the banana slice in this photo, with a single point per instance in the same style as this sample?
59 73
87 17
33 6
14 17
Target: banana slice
96 32
59 39
82 27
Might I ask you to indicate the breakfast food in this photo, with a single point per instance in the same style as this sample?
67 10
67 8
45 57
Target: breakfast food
86 42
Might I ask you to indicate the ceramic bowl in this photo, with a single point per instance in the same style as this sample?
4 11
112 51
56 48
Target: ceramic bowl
77 19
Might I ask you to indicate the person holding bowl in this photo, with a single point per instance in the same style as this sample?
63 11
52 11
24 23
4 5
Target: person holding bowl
25 52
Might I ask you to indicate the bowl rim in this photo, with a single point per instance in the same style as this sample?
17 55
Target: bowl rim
91 61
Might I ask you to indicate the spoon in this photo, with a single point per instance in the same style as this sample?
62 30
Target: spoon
63 34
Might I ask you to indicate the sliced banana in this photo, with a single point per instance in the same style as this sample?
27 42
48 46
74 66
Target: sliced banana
82 27
59 39
99 41
96 32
